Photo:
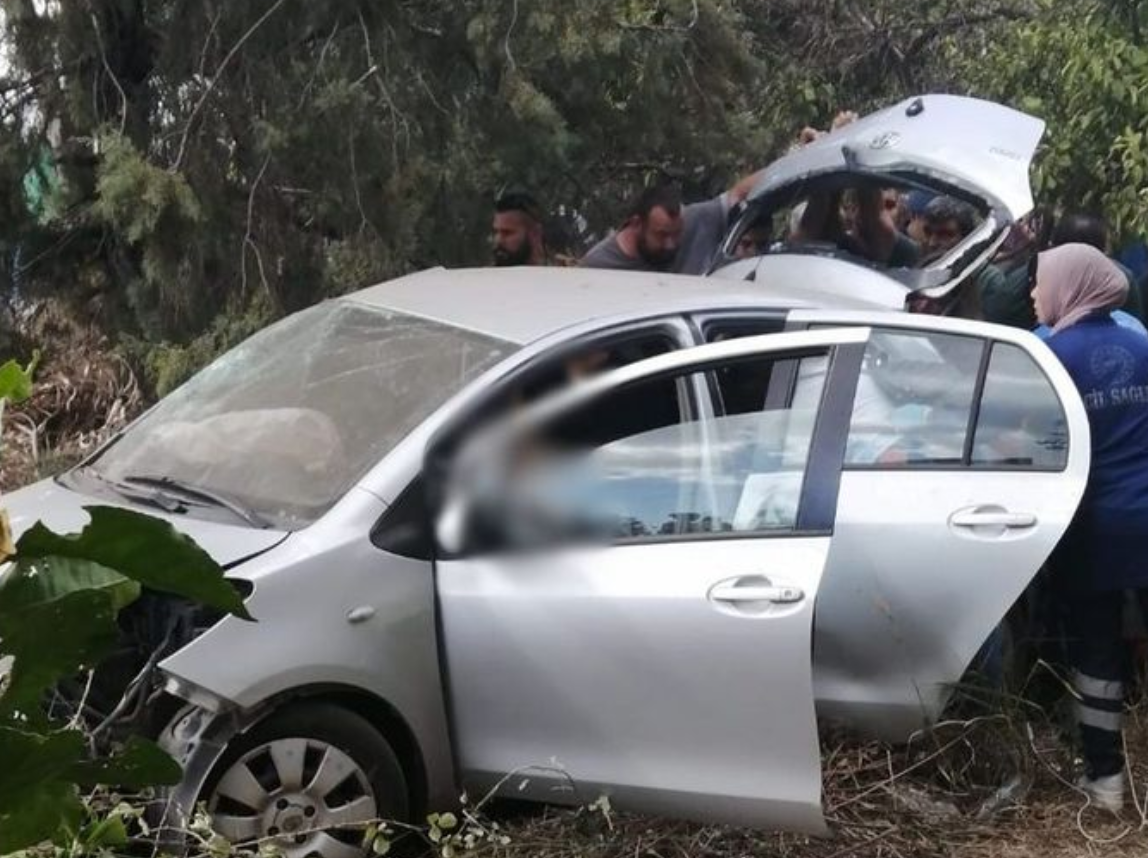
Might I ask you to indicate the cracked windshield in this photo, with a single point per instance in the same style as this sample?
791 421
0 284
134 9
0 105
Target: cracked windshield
287 422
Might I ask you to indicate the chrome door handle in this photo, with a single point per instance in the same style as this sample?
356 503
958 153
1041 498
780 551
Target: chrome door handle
1006 520
781 595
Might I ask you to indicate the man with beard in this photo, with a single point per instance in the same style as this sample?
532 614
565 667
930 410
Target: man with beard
662 234
516 234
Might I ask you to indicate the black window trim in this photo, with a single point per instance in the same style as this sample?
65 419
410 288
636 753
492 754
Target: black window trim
669 325
989 345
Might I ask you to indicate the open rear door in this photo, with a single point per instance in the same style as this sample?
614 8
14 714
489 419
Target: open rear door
968 455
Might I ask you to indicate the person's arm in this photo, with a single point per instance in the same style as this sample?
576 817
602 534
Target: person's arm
819 221
875 228
738 193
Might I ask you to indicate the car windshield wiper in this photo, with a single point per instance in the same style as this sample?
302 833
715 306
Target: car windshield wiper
137 494
193 491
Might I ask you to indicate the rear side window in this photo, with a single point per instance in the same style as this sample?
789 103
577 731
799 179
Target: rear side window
928 400
1021 423
914 400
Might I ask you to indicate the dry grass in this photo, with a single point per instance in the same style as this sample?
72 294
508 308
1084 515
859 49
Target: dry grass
83 393
941 796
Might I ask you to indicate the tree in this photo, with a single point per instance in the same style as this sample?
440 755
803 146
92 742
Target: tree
1085 71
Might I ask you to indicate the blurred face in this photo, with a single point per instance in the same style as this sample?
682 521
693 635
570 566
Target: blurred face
659 236
941 235
586 366
512 238
751 243
891 202
916 229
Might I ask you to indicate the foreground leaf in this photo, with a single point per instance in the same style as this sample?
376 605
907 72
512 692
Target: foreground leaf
37 803
143 548
140 764
32 582
51 641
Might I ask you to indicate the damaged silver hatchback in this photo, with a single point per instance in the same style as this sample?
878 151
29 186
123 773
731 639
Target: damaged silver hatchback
727 511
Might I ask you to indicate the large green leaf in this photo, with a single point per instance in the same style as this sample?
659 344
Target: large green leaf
32 582
50 812
32 758
52 640
37 802
140 764
143 548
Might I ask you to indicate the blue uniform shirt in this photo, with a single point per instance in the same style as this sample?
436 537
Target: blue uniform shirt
1109 364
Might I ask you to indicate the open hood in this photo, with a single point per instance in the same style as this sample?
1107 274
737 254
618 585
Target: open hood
975 150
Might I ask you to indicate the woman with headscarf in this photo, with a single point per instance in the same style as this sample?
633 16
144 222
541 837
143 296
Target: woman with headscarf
1105 552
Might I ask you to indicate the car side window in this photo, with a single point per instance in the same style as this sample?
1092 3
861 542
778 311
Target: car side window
927 400
1021 423
914 400
740 387
628 480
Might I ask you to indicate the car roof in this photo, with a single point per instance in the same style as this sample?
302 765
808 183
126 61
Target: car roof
521 305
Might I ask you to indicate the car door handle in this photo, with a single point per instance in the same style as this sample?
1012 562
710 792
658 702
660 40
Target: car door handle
730 592
1002 519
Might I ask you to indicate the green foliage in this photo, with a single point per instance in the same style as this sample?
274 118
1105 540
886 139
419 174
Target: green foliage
59 599
164 366
16 380
208 158
1086 74
138 199
145 550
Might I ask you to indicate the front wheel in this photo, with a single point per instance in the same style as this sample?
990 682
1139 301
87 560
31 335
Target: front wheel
308 780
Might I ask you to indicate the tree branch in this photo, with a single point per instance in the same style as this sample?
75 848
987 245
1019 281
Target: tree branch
215 79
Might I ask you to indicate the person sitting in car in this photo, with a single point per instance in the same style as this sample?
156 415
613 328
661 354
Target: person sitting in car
861 222
947 223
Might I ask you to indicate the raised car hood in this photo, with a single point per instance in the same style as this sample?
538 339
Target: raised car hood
61 509
980 147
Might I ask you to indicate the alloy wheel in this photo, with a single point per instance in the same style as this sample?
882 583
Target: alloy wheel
307 797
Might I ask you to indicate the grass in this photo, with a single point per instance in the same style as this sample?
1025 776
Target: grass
996 785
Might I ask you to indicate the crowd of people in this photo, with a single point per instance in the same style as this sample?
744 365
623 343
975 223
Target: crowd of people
1055 277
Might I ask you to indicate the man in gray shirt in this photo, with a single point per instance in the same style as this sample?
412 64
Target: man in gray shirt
661 234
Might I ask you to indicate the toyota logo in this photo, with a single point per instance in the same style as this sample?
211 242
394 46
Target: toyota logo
885 141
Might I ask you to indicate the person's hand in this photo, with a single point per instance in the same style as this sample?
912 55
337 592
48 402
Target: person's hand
808 135
843 118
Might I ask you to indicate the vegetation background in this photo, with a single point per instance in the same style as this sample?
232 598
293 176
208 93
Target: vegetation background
173 174
176 173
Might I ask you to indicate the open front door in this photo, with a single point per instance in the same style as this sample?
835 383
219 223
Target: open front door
663 659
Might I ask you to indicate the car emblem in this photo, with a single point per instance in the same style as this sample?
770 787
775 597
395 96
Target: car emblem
885 141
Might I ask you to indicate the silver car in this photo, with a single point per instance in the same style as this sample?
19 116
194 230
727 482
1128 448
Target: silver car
803 513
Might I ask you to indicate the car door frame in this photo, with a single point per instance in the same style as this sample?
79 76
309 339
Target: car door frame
815 519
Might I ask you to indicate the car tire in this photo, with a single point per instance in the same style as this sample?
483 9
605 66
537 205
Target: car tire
309 777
